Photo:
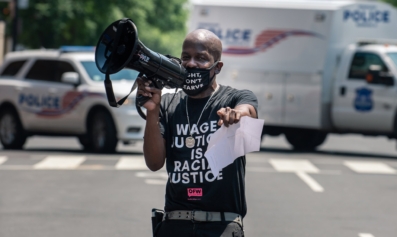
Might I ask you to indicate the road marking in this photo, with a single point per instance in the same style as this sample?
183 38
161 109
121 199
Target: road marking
156 181
310 181
3 159
370 167
365 235
301 168
154 178
293 165
126 163
59 162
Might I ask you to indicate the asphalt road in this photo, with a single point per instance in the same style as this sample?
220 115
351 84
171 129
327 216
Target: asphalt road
348 188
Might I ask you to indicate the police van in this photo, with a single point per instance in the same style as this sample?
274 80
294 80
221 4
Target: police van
61 93
317 67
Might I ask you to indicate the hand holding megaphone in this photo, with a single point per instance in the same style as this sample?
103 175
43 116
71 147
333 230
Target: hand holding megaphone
149 92
119 48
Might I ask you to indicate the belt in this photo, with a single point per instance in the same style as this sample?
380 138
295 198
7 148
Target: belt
203 216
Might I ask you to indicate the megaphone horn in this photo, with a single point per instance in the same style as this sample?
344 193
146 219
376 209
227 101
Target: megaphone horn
119 48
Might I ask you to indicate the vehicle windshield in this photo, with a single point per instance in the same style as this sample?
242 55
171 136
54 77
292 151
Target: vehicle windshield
393 57
96 75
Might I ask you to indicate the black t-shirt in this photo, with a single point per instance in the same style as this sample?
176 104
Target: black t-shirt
191 184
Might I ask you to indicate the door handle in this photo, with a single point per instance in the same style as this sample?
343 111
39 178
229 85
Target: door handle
342 90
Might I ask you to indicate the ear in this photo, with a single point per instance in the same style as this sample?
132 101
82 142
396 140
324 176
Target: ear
218 67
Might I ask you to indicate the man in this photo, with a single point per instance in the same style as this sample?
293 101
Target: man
178 129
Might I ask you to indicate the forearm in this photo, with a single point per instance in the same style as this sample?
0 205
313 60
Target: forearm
153 146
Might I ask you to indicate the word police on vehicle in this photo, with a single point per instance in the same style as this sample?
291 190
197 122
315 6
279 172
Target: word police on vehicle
367 15
239 36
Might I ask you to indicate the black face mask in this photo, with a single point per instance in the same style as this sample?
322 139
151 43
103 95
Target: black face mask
197 80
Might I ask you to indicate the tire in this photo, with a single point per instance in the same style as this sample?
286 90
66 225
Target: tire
83 140
102 135
305 139
12 134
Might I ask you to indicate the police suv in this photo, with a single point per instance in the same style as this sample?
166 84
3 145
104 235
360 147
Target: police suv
61 93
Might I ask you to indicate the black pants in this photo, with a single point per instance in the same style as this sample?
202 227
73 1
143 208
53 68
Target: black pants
182 228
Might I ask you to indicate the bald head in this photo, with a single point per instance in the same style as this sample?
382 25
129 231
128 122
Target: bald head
207 40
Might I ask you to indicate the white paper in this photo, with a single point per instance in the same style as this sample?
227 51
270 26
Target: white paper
229 143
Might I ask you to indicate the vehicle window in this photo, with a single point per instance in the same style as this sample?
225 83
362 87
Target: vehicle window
96 75
393 57
13 68
49 70
361 62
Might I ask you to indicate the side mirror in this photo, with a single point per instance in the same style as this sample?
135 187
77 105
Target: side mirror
375 75
70 78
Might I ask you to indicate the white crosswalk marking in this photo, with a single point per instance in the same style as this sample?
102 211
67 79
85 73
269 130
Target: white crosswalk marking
3 159
301 168
310 182
59 162
154 178
126 163
293 165
365 235
156 181
370 167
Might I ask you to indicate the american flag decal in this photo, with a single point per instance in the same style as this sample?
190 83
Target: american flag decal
267 39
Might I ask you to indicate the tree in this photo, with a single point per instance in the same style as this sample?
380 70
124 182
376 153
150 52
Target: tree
52 23
392 2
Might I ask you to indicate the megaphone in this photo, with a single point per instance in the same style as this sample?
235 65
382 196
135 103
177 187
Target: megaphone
119 48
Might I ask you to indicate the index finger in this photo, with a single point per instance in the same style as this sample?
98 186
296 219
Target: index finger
221 113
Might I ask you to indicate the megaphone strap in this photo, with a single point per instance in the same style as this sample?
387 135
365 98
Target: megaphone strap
110 94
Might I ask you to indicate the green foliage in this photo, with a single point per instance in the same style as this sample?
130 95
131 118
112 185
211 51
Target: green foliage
392 2
52 23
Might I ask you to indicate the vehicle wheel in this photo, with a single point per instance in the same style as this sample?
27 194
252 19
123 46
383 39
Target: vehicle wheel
85 142
102 135
305 139
12 134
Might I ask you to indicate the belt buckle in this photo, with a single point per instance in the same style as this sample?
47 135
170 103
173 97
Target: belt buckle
192 218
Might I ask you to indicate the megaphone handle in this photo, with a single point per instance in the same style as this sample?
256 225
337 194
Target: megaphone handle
141 100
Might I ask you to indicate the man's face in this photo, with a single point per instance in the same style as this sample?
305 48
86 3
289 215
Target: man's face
196 55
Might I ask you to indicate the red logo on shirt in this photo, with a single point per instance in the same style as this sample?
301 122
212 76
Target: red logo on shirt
196 192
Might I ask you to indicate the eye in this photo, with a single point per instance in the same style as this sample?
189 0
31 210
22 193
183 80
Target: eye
202 58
